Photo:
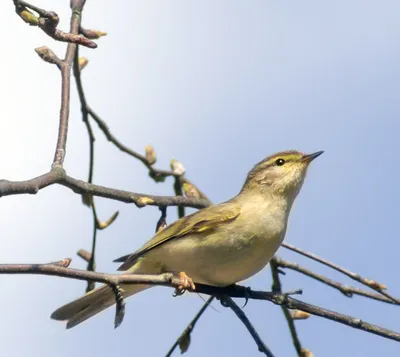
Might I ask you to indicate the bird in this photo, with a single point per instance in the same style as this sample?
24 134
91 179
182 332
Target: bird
220 245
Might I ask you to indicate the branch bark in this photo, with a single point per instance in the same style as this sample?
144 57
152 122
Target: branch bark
168 279
262 347
58 175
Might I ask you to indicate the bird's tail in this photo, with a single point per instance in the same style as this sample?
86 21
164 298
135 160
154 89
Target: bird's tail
92 303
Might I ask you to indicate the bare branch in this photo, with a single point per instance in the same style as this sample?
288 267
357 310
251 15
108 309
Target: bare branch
59 154
277 287
368 282
48 21
168 279
284 300
58 176
344 289
246 322
185 335
155 173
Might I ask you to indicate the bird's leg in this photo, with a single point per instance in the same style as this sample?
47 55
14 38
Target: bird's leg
186 283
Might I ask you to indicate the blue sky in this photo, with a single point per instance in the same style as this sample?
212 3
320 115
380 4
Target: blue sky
218 86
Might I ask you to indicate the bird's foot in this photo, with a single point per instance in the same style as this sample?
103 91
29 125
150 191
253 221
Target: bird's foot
186 283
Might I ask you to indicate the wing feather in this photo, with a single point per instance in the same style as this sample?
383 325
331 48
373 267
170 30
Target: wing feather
207 219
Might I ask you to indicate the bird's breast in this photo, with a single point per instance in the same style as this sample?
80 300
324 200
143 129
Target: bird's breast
229 254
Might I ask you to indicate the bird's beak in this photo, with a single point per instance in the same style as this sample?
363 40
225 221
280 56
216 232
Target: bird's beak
310 157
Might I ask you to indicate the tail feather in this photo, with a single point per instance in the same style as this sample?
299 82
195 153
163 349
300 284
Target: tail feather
92 303
88 313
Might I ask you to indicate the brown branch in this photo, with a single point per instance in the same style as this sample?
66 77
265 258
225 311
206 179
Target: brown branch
49 20
184 339
140 200
111 138
283 299
156 174
277 287
168 279
346 290
92 139
262 347
368 282
55 269
57 175
59 155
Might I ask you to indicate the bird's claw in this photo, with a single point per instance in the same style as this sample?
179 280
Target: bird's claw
186 283
246 296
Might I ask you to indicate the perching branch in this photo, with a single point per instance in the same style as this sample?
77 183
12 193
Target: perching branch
168 279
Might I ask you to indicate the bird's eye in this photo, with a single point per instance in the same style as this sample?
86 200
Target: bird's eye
279 162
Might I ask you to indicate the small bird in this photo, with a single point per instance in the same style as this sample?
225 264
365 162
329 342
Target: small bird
219 245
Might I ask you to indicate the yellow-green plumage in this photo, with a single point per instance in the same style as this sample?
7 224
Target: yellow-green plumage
202 221
219 245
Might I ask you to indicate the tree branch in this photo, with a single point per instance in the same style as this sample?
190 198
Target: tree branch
92 139
184 339
368 282
277 287
346 290
48 21
58 176
59 155
168 279
156 174
246 322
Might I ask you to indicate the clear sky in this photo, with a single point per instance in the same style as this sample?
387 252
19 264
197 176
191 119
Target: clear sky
218 85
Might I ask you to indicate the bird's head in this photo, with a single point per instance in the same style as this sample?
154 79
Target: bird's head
280 174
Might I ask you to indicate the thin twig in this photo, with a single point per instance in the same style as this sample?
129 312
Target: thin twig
48 21
262 347
92 139
277 287
368 282
344 289
155 173
110 137
179 192
188 330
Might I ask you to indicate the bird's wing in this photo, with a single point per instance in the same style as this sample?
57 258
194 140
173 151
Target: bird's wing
198 222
